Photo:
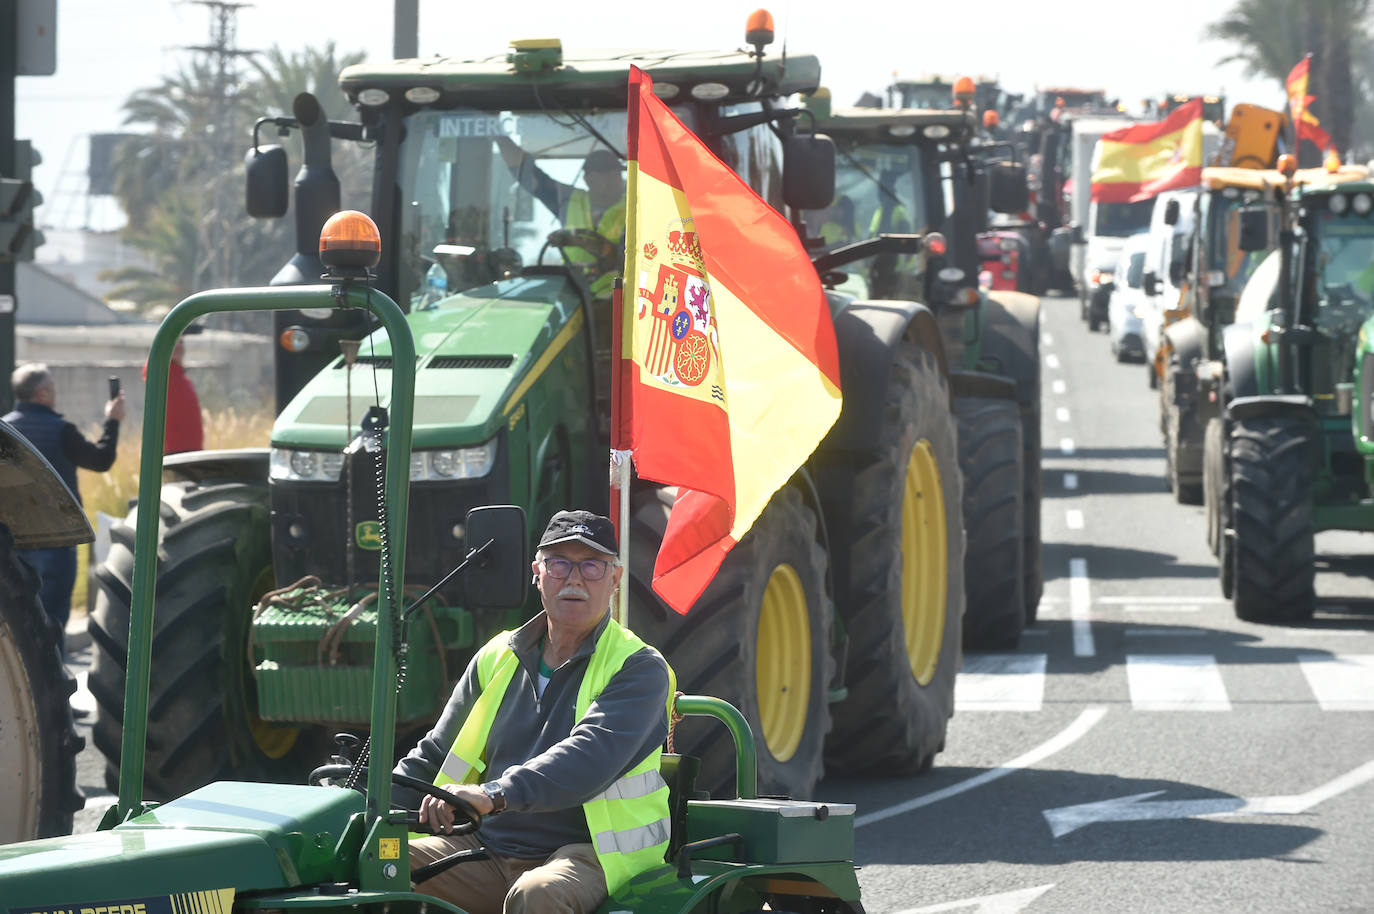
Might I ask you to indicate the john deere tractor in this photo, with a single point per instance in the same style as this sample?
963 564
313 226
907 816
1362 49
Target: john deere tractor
847 594
323 847
904 170
1292 452
38 743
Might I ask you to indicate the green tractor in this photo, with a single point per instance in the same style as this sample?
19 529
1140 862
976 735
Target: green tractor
844 602
325 848
926 171
1292 453
38 742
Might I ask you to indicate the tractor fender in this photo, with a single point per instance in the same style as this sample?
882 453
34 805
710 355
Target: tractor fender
1291 406
233 463
982 384
1011 339
1186 338
1238 342
868 334
38 508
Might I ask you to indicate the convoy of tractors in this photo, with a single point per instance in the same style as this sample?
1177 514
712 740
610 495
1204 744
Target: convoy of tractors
467 366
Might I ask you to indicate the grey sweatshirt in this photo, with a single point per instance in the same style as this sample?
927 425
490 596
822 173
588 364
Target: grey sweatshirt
547 766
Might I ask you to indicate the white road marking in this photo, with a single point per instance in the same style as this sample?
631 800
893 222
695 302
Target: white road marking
1176 682
82 697
1066 447
1047 338
1167 631
1052 360
1339 682
1001 682
1066 819
1089 718
1074 519
1001 903
1159 607
1061 413
1070 481
1059 386
1080 608
1142 599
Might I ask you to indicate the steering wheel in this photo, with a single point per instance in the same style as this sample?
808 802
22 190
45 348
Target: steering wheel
469 818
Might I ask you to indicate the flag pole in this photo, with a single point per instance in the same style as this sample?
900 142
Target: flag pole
620 457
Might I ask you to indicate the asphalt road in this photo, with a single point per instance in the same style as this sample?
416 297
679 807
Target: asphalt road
1143 750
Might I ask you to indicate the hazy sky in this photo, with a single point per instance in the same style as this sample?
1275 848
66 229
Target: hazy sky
108 49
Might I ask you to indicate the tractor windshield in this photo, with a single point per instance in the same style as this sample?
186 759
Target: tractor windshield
877 190
1223 252
482 191
1344 248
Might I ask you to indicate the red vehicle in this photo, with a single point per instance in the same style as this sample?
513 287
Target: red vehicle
1005 256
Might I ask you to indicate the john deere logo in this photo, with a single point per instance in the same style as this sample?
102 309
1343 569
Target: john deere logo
369 535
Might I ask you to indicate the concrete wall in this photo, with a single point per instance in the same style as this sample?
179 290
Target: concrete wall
227 369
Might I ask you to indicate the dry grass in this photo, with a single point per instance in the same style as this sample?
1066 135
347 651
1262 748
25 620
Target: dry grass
111 491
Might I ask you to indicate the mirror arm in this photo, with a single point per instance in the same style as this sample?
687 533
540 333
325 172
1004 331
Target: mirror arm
339 130
472 554
883 244
737 122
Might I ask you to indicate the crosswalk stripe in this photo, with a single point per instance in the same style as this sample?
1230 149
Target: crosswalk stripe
1176 682
1001 682
1340 682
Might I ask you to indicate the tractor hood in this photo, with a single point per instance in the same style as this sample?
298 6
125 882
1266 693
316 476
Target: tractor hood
477 352
185 854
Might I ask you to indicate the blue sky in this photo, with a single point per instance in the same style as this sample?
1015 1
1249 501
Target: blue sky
107 50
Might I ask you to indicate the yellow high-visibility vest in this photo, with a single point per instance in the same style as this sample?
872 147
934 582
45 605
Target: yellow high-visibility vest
610 226
629 821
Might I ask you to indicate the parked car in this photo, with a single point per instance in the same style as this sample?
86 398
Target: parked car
1126 307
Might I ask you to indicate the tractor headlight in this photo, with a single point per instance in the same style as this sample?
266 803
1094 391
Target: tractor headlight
306 466
1338 203
453 463
1362 204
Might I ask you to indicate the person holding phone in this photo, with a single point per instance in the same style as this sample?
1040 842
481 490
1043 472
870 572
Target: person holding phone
64 446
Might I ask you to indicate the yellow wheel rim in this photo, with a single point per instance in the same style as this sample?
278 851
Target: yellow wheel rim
783 667
924 555
273 740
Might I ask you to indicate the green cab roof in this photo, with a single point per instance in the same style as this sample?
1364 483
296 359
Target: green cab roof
874 125
584 78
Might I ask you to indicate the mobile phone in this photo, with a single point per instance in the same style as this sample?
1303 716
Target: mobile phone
114 387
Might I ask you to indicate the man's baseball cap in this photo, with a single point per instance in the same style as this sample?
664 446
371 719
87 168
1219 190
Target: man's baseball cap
601 159
582 527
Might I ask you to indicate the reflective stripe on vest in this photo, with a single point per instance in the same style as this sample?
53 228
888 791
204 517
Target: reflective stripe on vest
610 226
629 821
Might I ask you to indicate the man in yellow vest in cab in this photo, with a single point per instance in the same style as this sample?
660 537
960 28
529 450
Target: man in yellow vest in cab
553 734
593 233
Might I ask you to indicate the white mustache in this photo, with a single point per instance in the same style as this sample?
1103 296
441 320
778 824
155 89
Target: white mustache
571 591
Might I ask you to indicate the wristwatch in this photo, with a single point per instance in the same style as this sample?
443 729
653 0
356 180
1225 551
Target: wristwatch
496 795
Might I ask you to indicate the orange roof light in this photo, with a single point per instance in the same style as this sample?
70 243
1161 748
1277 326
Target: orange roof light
1332 161
350 239
964 91
1288 164
758 28
1059 102
991 119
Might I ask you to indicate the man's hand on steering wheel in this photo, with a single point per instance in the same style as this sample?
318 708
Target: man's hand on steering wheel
439 816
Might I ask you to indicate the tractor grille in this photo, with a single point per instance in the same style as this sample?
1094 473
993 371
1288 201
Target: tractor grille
471 361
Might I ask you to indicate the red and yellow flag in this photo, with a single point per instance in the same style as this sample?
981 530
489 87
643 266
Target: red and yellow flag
1137 162
1305 123
729 374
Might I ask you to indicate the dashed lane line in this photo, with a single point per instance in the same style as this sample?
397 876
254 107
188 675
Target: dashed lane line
1080 608
1059 386
1052 361
1062 414
1071 481
1066 447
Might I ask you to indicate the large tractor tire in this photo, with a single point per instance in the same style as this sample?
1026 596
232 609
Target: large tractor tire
1032 547
214 560
904 612
1216 499
38 742
758 637
1180 426
990 457
1271 515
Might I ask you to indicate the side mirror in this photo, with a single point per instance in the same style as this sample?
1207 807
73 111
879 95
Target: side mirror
267 190
1171 213
1254 230
1177 269
499 577
808 171
1077 233
1150 283
1008 190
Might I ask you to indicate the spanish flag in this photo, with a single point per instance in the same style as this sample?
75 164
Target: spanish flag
1135 163
728 373
1306 125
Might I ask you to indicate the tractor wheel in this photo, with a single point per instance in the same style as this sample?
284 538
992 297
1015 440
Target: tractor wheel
758 637
214 561
1213 470
1180 420
1032 548
990 456
1271 514
905 608
38 742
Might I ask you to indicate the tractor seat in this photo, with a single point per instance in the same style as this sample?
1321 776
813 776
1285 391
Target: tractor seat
679 772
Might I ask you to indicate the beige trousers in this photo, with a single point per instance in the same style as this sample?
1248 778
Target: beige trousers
570 881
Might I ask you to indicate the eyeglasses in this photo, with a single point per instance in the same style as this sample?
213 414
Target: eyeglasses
590 569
